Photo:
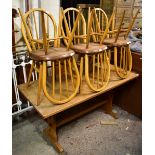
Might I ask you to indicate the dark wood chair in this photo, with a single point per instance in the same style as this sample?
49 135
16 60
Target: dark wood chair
58 73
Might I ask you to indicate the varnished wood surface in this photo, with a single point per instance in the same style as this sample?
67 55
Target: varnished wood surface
93 48
120 42
52 54
47 109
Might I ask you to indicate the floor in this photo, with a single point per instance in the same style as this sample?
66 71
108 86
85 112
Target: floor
84 136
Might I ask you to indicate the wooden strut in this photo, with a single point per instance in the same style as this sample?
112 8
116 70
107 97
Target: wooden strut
36 30
40 83
53 78
66 78
125 65
75 88
101 59
81 70
28 32
107 73
30 73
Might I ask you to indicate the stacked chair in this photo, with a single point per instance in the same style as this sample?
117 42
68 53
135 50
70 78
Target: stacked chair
62 69
120 46
46 55
91 55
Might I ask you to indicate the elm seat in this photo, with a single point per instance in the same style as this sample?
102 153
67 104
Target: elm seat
119 43
52 54
92 49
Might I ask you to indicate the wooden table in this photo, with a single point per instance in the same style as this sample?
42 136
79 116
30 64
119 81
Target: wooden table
57 115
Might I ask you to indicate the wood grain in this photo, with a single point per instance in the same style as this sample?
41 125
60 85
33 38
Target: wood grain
93 48
52 54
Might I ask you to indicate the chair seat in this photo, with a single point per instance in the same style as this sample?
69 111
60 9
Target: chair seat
120 42
52 54
93 48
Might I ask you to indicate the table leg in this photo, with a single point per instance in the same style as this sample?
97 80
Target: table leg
107 107
51 133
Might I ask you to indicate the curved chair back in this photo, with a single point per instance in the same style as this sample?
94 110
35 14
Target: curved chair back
99 23
39 29
68 20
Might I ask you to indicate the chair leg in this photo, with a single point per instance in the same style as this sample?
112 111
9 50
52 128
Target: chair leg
109 55
55 100
129 57
30 74
87 76
125 66
81 72
39 84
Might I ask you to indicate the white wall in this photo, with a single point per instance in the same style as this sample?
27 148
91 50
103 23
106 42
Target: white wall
53 7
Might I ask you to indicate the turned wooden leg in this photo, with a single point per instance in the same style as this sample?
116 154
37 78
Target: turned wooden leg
51 133
40 83
30 73
107 107
81 72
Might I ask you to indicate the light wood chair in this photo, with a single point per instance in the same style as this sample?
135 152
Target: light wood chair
58 73
121 48
92 55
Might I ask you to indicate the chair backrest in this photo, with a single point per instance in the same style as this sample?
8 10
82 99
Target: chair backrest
68 22
101 34
131 23
99 23
39 29
126 31
120 26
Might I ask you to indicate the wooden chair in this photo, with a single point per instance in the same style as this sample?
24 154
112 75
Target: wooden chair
97 30
48 56
121 48
92 55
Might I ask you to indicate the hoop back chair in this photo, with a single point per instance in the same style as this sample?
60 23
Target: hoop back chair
46 54
122 59
92 55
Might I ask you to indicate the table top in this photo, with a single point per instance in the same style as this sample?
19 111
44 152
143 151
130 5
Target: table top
47 109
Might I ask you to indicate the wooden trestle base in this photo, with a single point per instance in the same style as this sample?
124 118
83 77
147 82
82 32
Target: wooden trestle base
58 115
54 122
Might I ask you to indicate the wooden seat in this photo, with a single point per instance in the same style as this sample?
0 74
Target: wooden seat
92 55
52 54
93 48
54 64
119 43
